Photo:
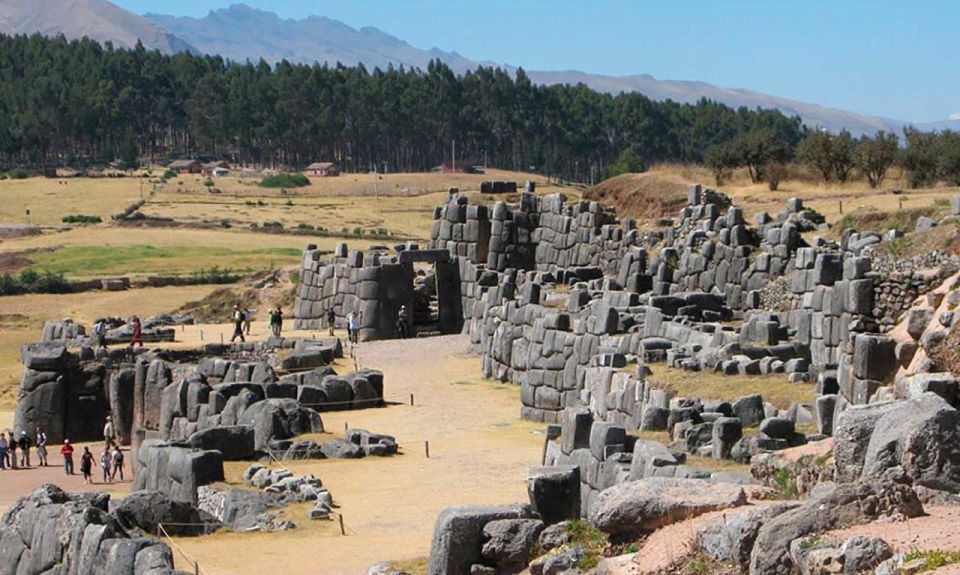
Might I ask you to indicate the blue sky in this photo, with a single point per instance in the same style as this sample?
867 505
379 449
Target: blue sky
899 59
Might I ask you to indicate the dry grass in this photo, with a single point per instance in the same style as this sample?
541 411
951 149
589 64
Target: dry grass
825 197
49 200
712 385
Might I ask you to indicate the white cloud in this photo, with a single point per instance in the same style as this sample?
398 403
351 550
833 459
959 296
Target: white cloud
955 116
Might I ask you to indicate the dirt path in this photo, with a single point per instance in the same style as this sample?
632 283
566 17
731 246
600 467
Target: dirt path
479 453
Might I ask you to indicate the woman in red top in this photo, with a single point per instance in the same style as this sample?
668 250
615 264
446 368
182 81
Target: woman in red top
67 452
137 332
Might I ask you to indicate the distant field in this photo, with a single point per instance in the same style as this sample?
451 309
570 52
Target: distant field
97 261
97 251
49 200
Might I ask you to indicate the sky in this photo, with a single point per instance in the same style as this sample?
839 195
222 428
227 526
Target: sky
896 59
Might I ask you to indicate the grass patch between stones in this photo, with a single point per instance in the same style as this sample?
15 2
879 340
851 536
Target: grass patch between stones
711 385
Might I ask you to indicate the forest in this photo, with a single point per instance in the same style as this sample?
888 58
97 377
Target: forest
79 103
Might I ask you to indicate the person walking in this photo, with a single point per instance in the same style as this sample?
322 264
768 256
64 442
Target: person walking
106 459
247 319
100 333
331 319
66 450
117 463
42 447
3 450
402 319
237 324
86 465
350 327
137 332
108 432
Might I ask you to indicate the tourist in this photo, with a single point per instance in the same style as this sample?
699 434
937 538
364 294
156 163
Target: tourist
247 319
355 318
67 452
42 446
402 319
108 432
86 465
100 332
276 321
237 324
350 326
137 332
12 450
25 444
117 463
331 319
3 450
106 459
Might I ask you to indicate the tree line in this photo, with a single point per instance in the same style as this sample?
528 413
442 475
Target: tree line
925 157
80 103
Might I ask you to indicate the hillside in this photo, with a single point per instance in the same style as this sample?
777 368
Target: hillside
641 196
95 19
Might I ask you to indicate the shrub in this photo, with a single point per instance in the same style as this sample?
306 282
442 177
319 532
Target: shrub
208 183
28 277
224 223
303 226
18 174
9 285
81 219
168 174
285 181
51 282
273 225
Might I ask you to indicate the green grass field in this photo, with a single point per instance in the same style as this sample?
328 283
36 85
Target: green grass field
98 261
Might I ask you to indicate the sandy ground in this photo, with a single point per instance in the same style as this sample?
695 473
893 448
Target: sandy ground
479 453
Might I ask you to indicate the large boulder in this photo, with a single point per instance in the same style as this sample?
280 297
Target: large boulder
651 503
918 442
146 510
509 543
458 535
851 435
175 470
730 538
233 442
50 531
841 505
279 418
554 492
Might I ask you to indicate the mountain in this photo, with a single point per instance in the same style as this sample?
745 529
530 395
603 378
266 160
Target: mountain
243 33
96 19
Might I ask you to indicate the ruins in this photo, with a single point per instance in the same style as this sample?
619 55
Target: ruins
582 310
575 306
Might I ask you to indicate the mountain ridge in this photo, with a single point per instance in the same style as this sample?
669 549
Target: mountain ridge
240 33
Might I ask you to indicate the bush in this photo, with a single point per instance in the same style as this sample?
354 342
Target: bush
168 174
81 219
18 174
303 226
9 285
273 225
225 223
51 282
285 181
208 183
28 277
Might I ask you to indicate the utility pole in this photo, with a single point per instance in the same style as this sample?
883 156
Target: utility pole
453 156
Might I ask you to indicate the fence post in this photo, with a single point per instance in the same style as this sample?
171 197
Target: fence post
342 530
426 447
411 399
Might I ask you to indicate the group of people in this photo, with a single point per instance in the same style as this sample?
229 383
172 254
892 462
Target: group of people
10 444
355 320
101 326
242 317
111 459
